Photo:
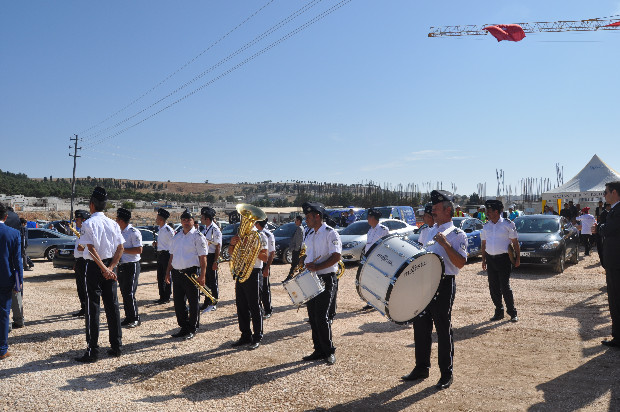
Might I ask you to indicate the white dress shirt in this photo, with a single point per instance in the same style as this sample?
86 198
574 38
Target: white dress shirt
77 253
322 244
498 236
271 240
213 234
264 244
186 248
164 238
456 238
103 233
587 221
374 234
424 235
133 238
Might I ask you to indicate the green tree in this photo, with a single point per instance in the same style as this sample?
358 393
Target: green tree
128 205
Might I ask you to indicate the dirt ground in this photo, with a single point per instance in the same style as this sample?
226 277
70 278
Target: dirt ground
551 359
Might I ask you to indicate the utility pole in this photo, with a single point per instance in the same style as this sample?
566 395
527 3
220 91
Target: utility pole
75 156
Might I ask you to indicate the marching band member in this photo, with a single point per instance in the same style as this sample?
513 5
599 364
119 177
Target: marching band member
104 242
188 256
496 236
295 246
80 263
213 235
265 293
128 270
451 244
430 222
323 251
164 243
376 232
247 298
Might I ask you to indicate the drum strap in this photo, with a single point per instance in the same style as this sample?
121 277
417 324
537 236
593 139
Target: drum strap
445 233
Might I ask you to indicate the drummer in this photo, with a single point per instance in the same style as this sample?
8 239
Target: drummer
450 243
376 232
429 221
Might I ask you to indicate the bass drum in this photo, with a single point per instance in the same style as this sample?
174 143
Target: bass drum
399 278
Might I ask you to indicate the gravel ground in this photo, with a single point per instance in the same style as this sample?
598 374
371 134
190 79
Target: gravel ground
550 360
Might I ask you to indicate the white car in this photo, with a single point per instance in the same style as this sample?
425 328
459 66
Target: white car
353 237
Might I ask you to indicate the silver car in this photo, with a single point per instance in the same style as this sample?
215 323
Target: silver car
44 242
354 236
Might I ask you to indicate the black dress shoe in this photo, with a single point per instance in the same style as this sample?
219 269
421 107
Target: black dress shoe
125 322
367 307
180 334
331 359
241 342
17 325
267 316
115 352
514 318
416 374
314 356
205 305
82 312
86 358
254 345
134 324
613 343
189 336
497 317
444 382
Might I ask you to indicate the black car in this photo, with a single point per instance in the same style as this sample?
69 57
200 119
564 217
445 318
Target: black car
284 235
547 240
64 259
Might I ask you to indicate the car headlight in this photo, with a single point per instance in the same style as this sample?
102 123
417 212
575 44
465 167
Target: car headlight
551 245
350 245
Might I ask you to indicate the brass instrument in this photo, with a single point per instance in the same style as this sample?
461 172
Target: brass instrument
340 270
301 266
248 247
74 230
205 290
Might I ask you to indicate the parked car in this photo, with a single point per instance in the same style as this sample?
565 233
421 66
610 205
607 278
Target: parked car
404 213
354 236
284 235
45 242
472 228
63 257
547 240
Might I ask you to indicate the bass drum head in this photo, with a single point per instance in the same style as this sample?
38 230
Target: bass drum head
416 285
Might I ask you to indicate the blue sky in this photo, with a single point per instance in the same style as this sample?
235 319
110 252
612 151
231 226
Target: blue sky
362 94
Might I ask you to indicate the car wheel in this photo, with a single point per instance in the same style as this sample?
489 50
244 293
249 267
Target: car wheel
575 258
288 256
559 266
49 253
225 255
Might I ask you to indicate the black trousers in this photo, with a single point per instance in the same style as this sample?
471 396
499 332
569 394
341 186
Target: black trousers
211 279
332 307
165 289
599 247
265 293
613 297
80 281
294 262
439 312
247 298
98 288
318 309
587 242
128 274
184 289
498 270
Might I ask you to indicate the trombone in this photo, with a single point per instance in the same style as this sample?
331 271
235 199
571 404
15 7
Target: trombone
205 291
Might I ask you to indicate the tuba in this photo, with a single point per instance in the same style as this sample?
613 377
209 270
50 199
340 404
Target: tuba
248 247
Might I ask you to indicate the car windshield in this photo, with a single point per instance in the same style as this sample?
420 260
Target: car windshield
458 221
147 235
537 225
357 228
230 229
286 230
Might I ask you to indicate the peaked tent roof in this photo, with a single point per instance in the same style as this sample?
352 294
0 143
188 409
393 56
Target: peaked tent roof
588 184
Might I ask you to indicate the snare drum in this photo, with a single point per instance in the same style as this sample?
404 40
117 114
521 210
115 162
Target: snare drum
399 278
304 287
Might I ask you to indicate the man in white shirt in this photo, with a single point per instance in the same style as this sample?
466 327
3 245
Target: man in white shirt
376 231
265 292
586 220
188 257
164 244
128 270
80 263
496 237
213 235
102 238
323 251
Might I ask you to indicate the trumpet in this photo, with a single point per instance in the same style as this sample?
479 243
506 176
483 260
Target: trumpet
205 290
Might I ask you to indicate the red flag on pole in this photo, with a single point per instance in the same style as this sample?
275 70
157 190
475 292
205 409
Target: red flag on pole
510 32
613 24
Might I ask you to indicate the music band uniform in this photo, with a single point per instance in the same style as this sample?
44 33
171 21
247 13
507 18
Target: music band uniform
80 262
496 239
164 243
188 255
295 246
322 244
128 270
439 310
377 232
213 235
248 301
101 236
265 293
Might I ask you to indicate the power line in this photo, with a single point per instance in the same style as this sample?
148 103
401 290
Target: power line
251 43
181 68
227 72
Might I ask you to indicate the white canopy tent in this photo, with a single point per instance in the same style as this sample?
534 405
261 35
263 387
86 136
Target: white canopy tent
587 186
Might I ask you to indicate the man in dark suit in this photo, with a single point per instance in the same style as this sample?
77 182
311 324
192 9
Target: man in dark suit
611 259
11 276
17 305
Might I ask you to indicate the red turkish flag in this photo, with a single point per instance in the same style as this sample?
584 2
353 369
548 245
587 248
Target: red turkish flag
613 24
510 32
